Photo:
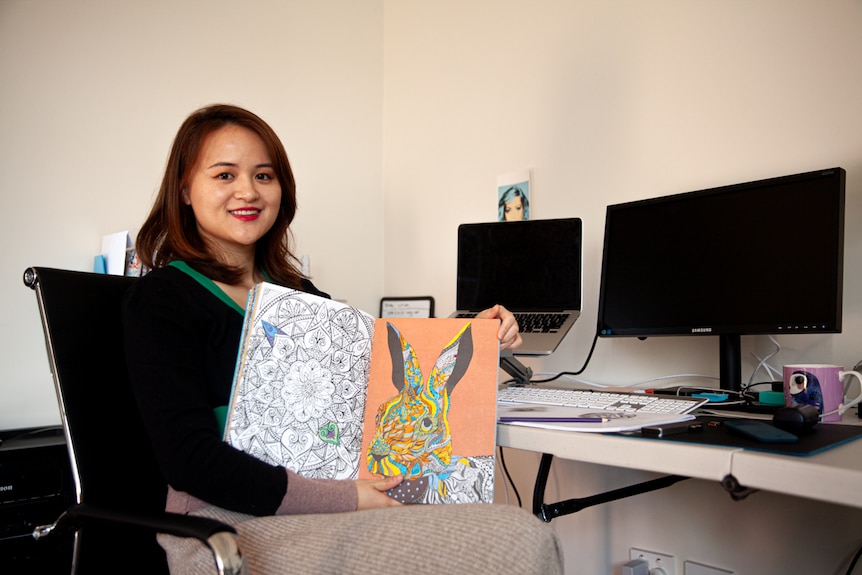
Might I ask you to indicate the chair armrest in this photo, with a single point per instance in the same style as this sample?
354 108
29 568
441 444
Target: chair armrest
219 537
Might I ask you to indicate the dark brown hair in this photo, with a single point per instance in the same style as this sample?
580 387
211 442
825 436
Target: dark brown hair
170 231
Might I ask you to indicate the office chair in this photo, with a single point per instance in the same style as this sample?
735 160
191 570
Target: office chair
119 491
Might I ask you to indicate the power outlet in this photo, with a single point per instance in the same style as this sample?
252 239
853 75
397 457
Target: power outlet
656 561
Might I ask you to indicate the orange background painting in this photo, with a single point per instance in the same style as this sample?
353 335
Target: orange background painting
473 402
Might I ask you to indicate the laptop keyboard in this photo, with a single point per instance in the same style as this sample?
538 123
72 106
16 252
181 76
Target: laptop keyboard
533 322
540 322
608 401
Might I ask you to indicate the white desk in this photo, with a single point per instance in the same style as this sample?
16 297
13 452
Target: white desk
834 475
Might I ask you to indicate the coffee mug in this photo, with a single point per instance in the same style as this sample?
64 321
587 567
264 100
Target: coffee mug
818 385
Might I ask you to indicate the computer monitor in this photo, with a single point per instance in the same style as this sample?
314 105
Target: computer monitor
763 257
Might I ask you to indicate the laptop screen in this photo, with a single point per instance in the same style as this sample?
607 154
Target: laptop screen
531 265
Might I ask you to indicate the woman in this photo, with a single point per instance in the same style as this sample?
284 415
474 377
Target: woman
220 224
513 206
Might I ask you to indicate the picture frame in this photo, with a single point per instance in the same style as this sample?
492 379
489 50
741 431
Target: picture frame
409 306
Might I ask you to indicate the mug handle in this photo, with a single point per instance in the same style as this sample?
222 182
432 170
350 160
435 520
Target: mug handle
841 375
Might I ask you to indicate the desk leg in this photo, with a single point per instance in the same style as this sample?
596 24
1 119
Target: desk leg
548 511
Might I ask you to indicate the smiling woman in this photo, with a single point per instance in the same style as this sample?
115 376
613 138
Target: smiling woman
220 224
233 192
235 197
218 149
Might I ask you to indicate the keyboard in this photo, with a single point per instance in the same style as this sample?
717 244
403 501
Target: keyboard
607 401
533 322
540 322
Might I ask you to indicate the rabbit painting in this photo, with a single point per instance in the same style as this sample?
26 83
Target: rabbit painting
412 435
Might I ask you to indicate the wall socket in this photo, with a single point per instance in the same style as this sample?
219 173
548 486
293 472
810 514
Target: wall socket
665 562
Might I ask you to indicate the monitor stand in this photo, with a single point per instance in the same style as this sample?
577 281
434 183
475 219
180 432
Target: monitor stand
730 362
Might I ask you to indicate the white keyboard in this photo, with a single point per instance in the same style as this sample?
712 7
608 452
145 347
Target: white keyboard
608 401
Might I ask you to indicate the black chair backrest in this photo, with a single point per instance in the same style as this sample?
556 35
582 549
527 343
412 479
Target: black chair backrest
112 458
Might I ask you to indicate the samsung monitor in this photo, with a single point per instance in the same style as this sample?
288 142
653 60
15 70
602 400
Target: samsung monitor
763 257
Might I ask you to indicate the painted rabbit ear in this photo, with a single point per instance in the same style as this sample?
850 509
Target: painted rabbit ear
454 360
395 352
405 364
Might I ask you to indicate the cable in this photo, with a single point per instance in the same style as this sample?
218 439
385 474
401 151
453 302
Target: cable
853 562
742 396
499 469
509 477
636 386
750 385
645 382
762 363
570 373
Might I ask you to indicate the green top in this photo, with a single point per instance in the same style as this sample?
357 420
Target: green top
220 411
207 283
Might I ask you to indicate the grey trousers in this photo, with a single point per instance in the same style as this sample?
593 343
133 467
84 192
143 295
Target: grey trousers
416 539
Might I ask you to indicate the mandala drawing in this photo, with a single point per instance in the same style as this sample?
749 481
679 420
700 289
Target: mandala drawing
301 381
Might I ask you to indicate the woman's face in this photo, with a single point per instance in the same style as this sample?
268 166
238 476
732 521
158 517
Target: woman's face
514 210
233 192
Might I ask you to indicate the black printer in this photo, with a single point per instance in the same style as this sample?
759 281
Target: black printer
36 486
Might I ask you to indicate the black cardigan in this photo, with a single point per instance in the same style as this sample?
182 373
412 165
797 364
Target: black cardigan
182 335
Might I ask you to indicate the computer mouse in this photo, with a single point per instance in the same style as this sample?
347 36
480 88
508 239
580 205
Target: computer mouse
796 418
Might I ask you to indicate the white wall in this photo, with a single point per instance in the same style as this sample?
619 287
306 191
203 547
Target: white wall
93 93
398 116
609 101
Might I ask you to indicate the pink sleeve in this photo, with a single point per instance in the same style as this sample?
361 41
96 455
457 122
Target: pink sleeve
306 495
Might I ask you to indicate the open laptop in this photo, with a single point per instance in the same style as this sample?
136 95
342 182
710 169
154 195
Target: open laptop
532 267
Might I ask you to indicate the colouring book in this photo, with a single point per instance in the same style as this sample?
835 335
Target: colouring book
300 384
430 414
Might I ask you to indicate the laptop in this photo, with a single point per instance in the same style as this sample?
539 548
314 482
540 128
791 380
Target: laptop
532 267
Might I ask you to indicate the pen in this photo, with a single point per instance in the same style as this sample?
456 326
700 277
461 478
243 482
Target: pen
512 419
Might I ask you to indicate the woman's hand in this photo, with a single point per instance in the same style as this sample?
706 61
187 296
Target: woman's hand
509 335
372 492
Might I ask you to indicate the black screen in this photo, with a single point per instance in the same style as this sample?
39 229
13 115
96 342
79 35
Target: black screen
527 265
763 257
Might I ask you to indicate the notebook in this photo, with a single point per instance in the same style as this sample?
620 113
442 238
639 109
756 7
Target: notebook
301 380
532 267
